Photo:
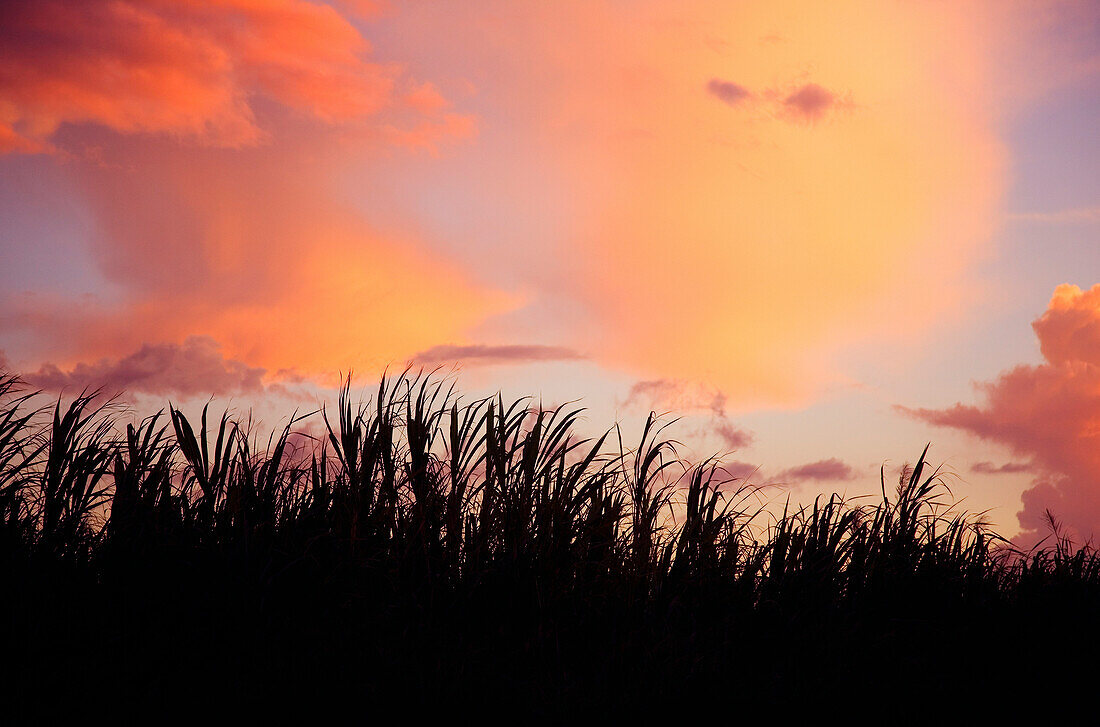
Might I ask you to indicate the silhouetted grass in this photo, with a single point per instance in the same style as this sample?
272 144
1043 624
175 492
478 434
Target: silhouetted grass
482 553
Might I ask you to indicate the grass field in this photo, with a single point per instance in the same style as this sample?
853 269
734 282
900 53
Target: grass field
430 552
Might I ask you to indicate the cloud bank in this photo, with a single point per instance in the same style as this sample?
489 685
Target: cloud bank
194 368
209 142
235 160
191 70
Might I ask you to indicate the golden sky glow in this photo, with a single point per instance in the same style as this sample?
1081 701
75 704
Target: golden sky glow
750 230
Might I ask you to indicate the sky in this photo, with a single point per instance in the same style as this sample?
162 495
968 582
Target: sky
823 234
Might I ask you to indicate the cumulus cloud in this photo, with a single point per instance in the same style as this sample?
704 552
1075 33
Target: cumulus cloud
485 355
1008 468
825 470
1070 328
185 69
1049 413
157 109
194 368
810 102
727 92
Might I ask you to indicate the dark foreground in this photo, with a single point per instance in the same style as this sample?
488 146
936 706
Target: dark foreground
433 556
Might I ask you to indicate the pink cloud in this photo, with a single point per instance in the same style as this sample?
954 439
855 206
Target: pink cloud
676 395
1070 328
1049 413
826 470
684 397
732 436
810 101
740 470
1008 468
727 92
483 355
194 368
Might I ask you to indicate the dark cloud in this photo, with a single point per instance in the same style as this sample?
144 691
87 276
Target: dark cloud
195 368
826 470
485 355
1009 468
810 101
727 92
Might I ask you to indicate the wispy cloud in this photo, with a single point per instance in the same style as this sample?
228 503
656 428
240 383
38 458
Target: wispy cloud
1008 468
825 470
740 470
682 397
676 395
486 355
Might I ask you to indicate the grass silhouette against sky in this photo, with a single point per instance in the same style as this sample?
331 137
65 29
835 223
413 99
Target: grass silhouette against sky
773 247
480 554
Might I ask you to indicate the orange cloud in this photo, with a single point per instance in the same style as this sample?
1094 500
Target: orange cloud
1070 328
190 69
247 244
226 244
699 241
1049 413
719 242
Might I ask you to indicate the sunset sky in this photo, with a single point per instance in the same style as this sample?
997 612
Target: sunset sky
824 233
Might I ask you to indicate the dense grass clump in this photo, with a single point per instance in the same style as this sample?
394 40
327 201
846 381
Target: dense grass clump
416 547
